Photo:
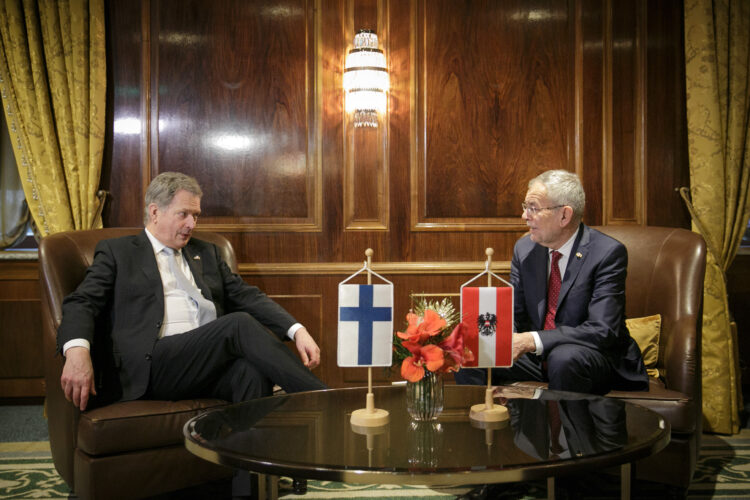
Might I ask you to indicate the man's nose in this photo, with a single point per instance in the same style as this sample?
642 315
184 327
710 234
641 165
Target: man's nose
524 215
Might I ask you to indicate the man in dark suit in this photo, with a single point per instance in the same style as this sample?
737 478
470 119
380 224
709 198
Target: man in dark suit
571 333
172 320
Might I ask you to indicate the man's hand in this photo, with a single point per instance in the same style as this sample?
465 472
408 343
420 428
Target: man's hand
77 378
522 343
308 349
506 392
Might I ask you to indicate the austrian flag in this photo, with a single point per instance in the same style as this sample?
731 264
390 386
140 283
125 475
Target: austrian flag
365 336
488 311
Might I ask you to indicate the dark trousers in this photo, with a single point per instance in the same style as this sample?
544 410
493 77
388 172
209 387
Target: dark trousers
568 367
233 358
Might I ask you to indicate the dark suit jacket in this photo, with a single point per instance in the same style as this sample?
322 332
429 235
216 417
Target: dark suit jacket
591 304
119 307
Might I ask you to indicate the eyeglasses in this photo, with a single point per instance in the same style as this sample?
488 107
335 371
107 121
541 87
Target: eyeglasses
532 211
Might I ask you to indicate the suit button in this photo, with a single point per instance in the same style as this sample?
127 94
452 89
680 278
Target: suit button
148 356
158 324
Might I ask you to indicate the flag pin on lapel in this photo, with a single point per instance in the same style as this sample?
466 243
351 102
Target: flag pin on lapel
579 255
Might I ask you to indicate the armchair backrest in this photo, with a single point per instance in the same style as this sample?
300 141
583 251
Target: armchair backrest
63 260
666 268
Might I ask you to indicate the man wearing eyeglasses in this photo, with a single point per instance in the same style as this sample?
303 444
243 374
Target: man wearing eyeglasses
569 299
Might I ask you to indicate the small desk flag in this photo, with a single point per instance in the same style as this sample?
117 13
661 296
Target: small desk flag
488 311
365 335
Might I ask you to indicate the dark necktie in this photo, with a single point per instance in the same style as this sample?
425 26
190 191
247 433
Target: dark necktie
553 291
206 308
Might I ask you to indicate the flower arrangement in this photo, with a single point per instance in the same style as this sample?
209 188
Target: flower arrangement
434 340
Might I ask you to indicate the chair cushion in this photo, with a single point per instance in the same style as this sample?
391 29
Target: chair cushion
645 331
137 425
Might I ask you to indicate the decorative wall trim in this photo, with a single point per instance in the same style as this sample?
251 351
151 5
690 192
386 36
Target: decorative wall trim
345 268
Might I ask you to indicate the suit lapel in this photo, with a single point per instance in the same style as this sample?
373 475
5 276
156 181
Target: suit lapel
145 255
575 262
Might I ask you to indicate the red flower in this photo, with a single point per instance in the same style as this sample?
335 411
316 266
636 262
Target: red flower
456 353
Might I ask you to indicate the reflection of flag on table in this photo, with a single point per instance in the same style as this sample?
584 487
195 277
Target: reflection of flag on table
365 325
488 311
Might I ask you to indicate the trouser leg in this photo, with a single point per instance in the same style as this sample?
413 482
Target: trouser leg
579 369
190 364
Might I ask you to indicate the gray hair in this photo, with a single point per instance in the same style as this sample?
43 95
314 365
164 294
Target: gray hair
163 188
563 188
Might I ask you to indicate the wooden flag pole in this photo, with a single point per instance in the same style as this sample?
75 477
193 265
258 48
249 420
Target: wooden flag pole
369 416
487 411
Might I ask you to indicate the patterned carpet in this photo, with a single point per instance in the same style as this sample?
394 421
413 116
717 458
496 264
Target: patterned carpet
26 471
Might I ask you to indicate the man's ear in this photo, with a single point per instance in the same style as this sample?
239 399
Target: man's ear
567 216
152 208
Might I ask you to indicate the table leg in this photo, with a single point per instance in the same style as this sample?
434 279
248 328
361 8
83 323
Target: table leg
550 488
268 487
626 481
273 487
262 487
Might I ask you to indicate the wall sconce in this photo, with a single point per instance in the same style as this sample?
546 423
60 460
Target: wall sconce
366 80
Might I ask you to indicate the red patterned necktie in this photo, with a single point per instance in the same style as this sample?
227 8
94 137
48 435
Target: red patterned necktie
553 291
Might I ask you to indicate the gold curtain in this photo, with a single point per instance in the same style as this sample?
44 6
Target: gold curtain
53 83
717 48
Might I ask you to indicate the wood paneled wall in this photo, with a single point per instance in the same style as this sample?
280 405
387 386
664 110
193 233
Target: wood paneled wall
247 97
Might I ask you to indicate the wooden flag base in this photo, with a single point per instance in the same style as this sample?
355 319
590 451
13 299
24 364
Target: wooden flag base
370 416
488 411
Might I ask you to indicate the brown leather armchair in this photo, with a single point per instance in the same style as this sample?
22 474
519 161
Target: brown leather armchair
123 450
666 267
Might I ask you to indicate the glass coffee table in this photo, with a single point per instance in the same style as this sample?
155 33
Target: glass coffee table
309 435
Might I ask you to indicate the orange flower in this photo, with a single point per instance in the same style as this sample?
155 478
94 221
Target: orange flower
426 344
417 331
429 356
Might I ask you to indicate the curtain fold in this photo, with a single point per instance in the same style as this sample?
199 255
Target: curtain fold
53 85
14 212
717 52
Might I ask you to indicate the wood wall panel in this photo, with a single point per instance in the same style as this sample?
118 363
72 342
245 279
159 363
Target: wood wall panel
21 356
592 138
491 118
625 66
366 181
253 114
484 95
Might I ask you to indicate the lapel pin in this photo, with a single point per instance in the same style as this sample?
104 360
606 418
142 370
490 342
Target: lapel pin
197 257
579 255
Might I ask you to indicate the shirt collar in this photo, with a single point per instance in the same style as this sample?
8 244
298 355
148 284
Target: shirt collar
567 247
156 244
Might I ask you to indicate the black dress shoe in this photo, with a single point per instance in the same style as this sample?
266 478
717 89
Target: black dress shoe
299 486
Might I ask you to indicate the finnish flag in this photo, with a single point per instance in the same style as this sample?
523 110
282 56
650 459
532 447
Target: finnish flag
365 334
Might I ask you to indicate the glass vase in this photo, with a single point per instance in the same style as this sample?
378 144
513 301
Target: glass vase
424 399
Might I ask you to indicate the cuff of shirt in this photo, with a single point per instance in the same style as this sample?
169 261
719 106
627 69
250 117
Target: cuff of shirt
537 343
75 343
293 329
